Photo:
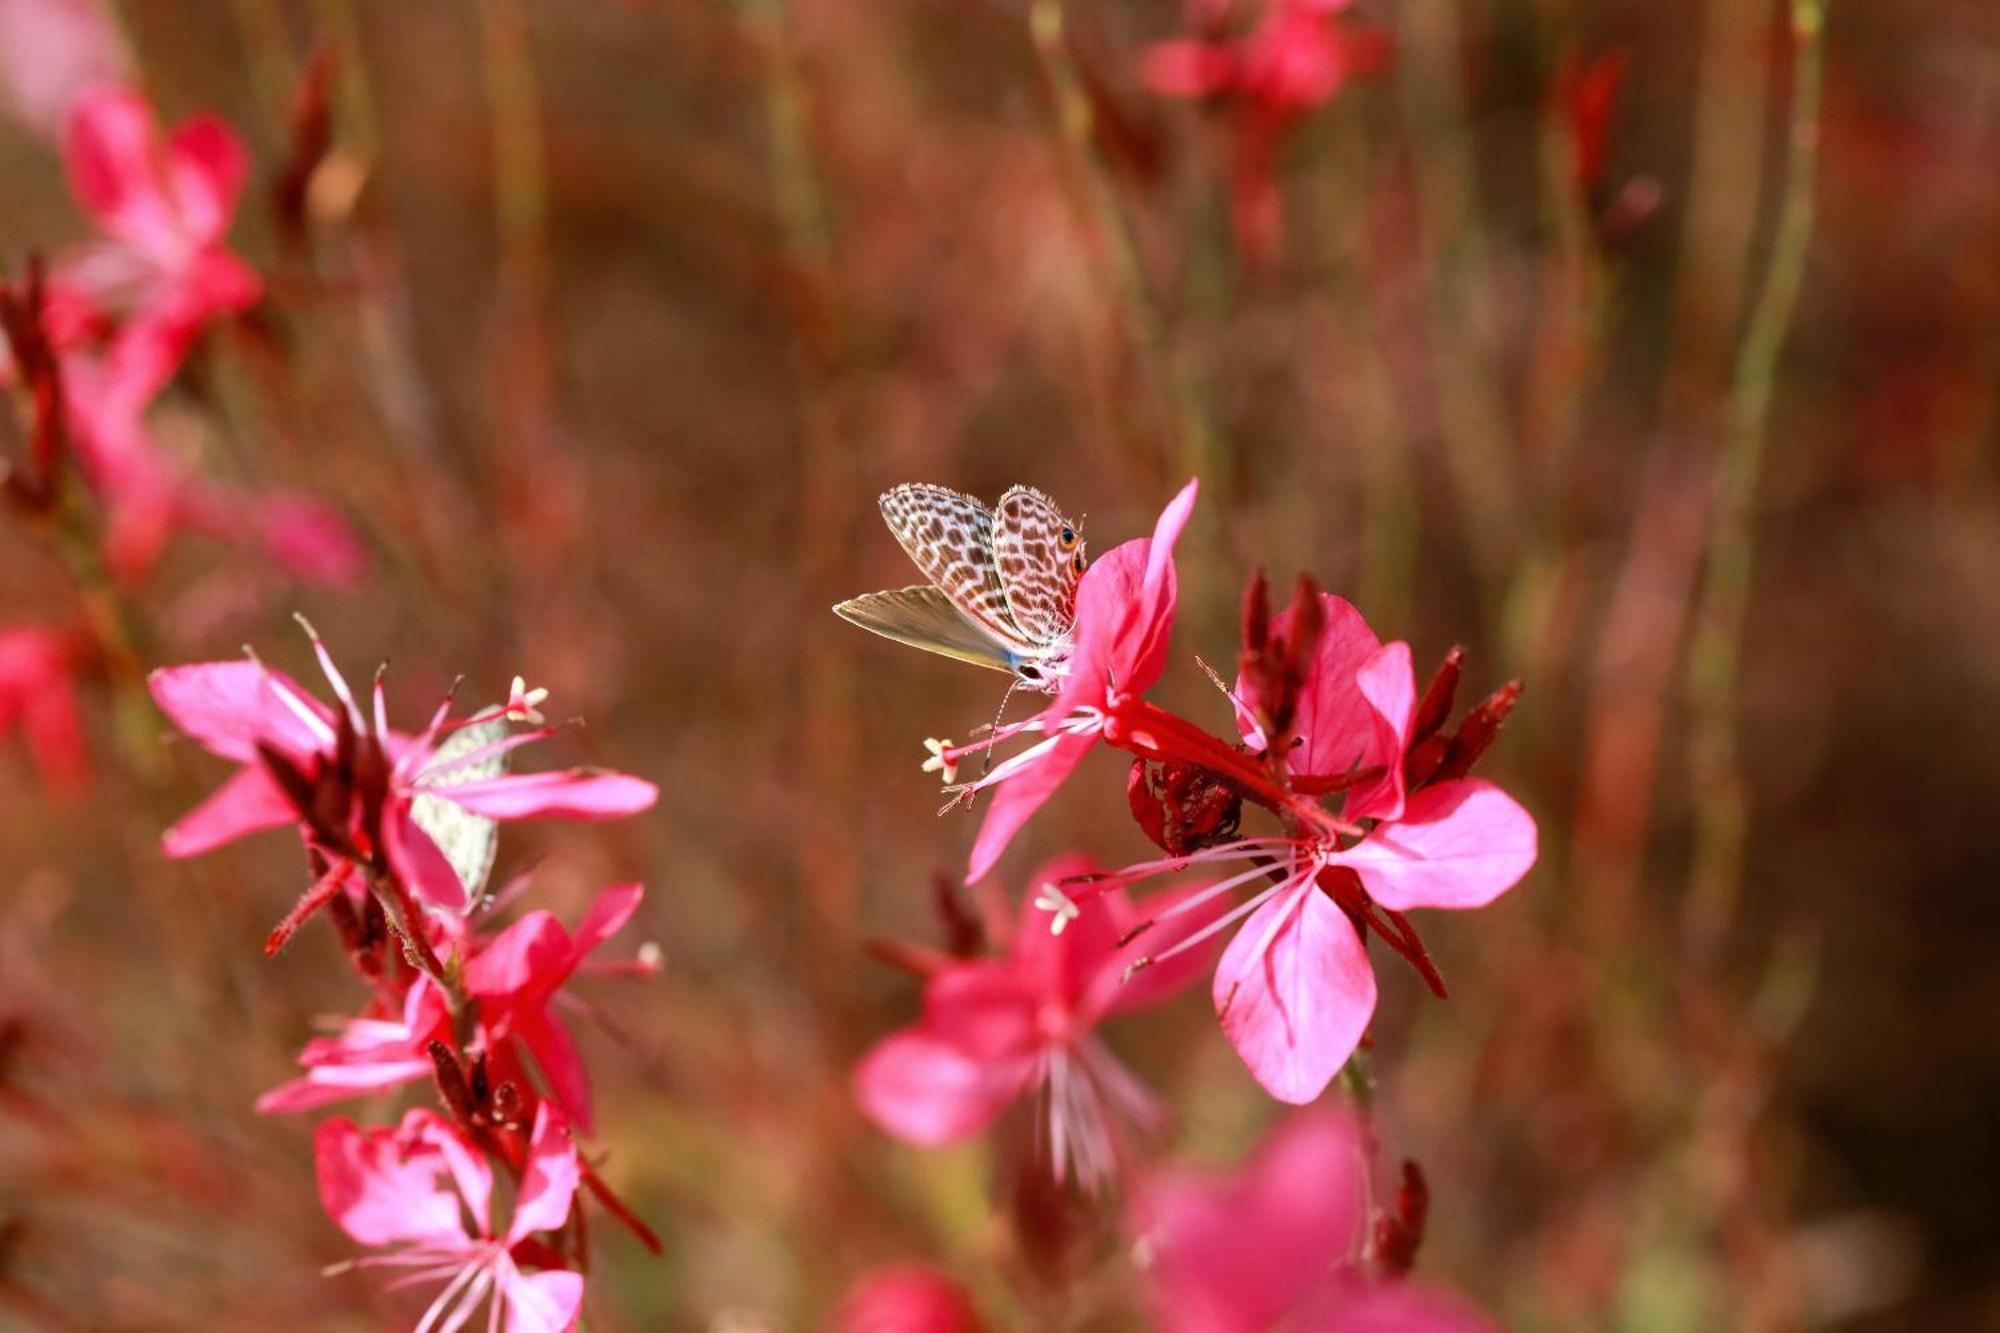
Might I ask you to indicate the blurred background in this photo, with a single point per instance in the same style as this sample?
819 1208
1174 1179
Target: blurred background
603 324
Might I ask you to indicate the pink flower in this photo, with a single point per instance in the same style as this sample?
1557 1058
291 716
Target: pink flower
905 1299
1294 990
1295 59
53 51
995 1030
417 1185
1124 615
350 782
1277 1245
164 205
517 977
36 694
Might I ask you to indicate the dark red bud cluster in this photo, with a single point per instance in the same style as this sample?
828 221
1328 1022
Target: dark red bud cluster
475 1100
340 799
1400 1231
23 321
1436 756
1182 806
1274 665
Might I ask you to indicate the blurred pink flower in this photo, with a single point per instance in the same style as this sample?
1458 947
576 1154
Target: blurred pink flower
1296 58
416 1186
54 51
516 977
1124 615
348 781
164 205
995 1030
1277 1244
37 695
907 1298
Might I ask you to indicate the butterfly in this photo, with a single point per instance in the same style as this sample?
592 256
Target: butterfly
468 841
1002 590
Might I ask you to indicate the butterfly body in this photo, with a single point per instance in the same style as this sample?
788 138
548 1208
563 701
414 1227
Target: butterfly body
1002 590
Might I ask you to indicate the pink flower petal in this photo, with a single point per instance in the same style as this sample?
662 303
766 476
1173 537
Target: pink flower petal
985 1009
1388 682
1062 965
531 958
929 1092
249 802
1015 801
417 860
378 1193
54 51
549 1184
1187 69
108 147
206 166
1160 981
1459 844
575 794
606 917
555 1052
1295 993
905 1299
547 1302
1352 1306
1237 1254
229 706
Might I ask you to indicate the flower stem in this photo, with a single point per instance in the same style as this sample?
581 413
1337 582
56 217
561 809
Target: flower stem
1715 656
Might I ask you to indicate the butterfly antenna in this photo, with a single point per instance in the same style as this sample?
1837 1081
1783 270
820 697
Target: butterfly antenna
986 759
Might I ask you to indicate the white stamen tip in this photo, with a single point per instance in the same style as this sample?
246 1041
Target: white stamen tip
649 955
1053 899
940 762
522 702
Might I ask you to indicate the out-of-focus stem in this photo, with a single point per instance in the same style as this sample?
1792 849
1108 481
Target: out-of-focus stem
1715 656
1191 446
520 175
273 70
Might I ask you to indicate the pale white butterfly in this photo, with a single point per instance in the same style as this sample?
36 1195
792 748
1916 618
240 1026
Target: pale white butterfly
1002 590
468 841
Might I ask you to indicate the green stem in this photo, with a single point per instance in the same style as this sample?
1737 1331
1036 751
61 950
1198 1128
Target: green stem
1715 657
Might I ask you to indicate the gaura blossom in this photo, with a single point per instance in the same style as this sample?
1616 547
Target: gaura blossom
907 1298
37 695
349 782
1294 989
426 1189
1278 1244
516 979
1295 58
52 52
995 1030
163 204
1124 616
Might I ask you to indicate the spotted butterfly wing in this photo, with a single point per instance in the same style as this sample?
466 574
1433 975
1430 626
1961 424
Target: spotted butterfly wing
467 840
1038 554
950 536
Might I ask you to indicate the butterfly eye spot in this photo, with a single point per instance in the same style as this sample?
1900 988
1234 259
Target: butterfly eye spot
1068 538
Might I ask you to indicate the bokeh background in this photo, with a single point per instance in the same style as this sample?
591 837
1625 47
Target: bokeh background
607 323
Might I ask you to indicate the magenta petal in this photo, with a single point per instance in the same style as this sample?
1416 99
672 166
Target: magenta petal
1459 844
1236 1255
1161 981
986 1010
1388 682
1016 800
1062 965
575 794
249 802
1295 992
606 917
549 1184
230 706
206 166
108 146
377 1192
546 1302
928 1092
531 958
1186 69
555 1051
418 862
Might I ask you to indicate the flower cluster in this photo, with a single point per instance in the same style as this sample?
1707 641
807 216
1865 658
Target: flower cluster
399 828
1294 57
95 336
1373 812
